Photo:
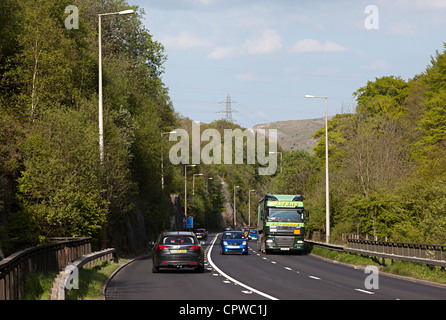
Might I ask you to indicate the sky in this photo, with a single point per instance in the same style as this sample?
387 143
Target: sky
268 54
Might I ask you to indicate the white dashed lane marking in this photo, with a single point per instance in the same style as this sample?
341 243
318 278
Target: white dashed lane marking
227 281
368 292
249 289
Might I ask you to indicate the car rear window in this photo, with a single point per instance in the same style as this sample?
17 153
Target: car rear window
233 235
178 240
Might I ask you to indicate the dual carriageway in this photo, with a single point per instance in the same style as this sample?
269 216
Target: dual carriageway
258 276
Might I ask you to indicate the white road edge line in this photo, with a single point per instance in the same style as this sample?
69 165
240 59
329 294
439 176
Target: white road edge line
232 279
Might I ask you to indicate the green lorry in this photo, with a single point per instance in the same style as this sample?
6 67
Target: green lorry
281 223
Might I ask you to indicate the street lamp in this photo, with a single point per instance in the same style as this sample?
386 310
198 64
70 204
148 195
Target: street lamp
327 198
249 207
235 211
281 163
185 188
101 123
207 183
162 157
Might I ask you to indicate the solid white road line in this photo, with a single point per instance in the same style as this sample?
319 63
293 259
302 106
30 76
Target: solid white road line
232 279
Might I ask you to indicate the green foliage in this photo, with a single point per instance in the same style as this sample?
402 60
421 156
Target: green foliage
51 180
433 122
299 172
336 139
59 186
38 285
382 96
387 162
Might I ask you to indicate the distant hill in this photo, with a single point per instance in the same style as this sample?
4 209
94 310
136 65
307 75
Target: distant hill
295 134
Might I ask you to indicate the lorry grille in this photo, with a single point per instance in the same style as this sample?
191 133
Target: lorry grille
284 242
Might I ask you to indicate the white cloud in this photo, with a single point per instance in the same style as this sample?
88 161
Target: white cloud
203 2
262 114
269 42
417 5
311 45
223 53
327 71
377 65
184 41
245 76
403 28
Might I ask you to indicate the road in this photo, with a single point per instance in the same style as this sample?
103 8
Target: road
257 276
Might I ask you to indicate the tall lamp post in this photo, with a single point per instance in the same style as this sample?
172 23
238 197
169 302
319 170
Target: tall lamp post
249 207
235 210
327 209
162 157
185 188
101 123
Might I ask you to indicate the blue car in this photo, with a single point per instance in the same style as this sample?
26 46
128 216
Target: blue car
233 241
252 234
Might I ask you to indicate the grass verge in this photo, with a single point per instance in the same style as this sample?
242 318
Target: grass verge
402 268
38 285
91 281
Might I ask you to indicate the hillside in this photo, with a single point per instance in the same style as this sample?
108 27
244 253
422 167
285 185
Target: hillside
295 134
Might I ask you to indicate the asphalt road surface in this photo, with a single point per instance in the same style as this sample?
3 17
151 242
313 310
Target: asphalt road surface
257 276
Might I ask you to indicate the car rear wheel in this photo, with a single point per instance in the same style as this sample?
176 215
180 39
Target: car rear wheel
200 269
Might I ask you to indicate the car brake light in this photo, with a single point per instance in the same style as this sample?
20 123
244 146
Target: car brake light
161 247
195 247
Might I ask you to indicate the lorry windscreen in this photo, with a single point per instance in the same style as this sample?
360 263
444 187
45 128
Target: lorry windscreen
284 215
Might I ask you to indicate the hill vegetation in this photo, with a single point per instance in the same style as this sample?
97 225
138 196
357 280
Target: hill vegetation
295 134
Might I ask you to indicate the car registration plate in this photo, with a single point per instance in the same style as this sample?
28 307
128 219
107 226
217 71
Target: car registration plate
178 251
233 247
